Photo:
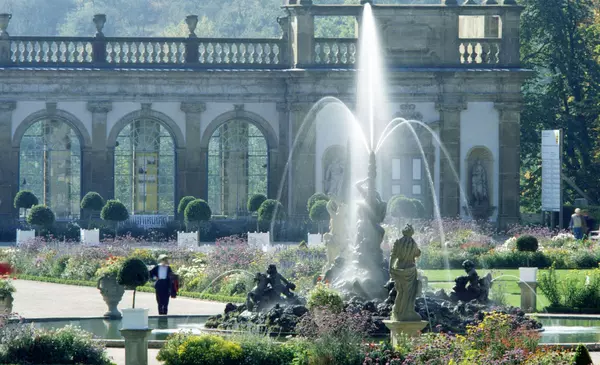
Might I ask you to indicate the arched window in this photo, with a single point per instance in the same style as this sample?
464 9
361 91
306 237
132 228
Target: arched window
238 161
50 166
145 168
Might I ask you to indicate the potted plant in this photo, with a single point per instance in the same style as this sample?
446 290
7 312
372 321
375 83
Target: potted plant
41 216
134 273
24 200
112 292
114 211
183 203
6 296
196 213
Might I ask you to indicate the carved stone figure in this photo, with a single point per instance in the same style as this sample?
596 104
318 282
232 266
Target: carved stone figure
268 290
371 213
260 290
471 286
279 284
336 239
403 271
479 190
334 178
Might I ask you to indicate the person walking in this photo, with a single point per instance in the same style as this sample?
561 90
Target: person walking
577 224
163 276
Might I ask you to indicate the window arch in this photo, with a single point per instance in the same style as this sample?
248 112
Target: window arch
238 160
50 166
145 168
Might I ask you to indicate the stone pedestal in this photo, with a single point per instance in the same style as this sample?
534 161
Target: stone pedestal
411 329
528 296
136 346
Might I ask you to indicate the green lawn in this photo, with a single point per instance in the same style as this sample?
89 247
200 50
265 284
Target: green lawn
506 281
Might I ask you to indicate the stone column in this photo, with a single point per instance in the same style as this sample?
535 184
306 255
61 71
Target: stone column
194 178
449 198
510 47
509 163
9 168
136 346
302 167
302 36
97 161
279 183
528 296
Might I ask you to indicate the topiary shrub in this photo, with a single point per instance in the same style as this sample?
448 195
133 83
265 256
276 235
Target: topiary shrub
132 274
200 350
582 356
25 200
197 211
92 202
255 201
41 216
319 213
183 203
527 244
269 211
403 207
114 211
315 198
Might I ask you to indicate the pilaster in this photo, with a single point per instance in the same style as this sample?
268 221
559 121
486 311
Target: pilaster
303 149
509 162
279 183
449 198
98 162
193 181
9 167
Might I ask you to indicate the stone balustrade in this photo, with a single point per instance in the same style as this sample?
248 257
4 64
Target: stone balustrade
411 36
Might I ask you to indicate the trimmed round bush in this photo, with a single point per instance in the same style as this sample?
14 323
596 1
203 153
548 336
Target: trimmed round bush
270 210
132 274
318 212
41 216
183 203
527 244
255 201
323 297
197 211
92 201
25 199
114 211
404 207
315 198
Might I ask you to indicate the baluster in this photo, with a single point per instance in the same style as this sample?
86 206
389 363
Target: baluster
477 53
318 47
218 53
181 51
335 51
485 53
461 52
276 58
243 53
344 53
58 52
202 53
18 53
234 53
469 52
210 53
259 54
163 57
352 57
269 50
88 52
251 53
495 51
327 51
172 55
227 53
110 53
130 53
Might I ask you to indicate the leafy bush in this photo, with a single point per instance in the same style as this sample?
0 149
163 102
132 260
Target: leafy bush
315 198
133 273
25 199
92 201
255 201
6 288
582 356
403 207
114 211
571 292
319 213
270 210
41 216
110 267
197 211
323 297
527 244
22 344
183 203
182 349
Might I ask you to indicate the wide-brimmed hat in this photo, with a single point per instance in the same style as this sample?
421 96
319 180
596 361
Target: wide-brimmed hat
162 258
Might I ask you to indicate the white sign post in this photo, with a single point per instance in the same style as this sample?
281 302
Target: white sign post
551 173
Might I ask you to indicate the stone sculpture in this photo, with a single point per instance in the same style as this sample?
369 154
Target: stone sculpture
268 290
403 271
336 239
334 178
471 287
479 190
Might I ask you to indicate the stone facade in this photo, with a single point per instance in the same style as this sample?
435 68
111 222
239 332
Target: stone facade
438 79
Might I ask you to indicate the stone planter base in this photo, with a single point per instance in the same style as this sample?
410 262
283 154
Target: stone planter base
411 329
112 293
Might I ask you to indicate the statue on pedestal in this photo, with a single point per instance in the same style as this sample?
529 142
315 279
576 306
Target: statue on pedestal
471 286
336 240
479 187
334 178
268 290
403 271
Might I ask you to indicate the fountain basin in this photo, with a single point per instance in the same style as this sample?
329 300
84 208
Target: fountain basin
565 330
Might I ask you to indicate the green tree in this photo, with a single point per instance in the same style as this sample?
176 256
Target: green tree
92 202
319 213
196 212
114 211
559 43
41 216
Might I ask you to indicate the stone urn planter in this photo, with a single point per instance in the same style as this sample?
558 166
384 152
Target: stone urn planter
112 293
6 304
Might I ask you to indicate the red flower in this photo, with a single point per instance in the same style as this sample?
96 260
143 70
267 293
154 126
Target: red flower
5 268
